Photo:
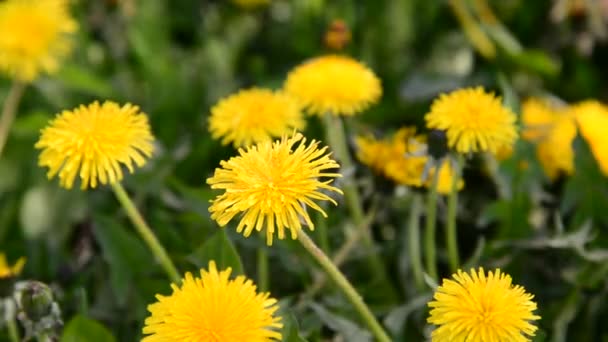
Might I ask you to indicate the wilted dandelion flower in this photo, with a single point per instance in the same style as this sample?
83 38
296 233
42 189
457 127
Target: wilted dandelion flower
213 308
446 177
254 115
553 130
592 119
35 36
474 121
271 184
94 142
8 271
479 307
334 84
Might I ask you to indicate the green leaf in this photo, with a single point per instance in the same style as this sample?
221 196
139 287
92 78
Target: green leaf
81 328
220 249
82 79
123 252
291 331
350 330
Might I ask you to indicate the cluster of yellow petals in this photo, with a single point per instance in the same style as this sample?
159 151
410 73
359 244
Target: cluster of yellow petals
8 271
254 115
35 36
271 184
480 307
333 84
474 121
402 158
553 128
592 119
94 142
213 308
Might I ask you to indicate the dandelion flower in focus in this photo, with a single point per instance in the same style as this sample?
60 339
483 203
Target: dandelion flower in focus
334 84
94 142
8 271
35 36
553 130
254 115
270 185
474 121
480 307
213 308
592 119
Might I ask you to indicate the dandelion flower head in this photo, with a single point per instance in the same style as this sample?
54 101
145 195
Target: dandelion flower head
94 142
271 184
254 115
480 307
35 36
334 84
8 271
446 177
474 121
592 119
213 308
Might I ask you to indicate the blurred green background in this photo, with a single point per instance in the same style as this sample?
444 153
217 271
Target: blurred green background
175 59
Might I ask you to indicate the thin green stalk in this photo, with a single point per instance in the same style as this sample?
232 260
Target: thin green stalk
431 226
451 236
146 233
263 270
13 332
413 240
321 228
9 111
345 286
334 129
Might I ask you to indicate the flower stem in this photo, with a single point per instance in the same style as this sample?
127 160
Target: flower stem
429 233
334 130
146 233
451 236
262 268
413 237
9 111
345 286
13 332
321 228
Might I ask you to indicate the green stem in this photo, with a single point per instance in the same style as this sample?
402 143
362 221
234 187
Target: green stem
13 332
146 233
334 129
321 228
262 269
451 236
429 233
345 286
9 111
413 237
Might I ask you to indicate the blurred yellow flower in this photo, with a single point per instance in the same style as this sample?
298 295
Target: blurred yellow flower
554 130
446 176
271 184
402 159
93 142
334 84
35 36
7 271
592 119
480 307
213 308
474 121
254 115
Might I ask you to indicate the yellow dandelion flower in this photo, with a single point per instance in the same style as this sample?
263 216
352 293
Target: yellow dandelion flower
35 36
553 130
213 308
334 84
93 142
395 157
474 121
7 271
254 115
446 177
592 119
477 307
271 184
